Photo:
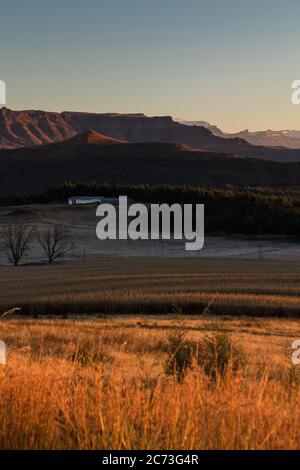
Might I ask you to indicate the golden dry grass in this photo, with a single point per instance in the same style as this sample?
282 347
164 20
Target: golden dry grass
100 384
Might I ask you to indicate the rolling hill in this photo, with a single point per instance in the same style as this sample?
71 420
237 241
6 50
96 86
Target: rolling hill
91 157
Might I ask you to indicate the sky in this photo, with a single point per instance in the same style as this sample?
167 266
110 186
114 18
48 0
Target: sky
230 63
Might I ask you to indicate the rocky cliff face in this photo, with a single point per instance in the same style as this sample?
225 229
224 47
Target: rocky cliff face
28 128
31 128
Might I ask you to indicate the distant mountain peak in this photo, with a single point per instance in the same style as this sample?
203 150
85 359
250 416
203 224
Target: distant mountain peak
267 138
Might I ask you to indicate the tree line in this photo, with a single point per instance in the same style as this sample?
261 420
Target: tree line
229 210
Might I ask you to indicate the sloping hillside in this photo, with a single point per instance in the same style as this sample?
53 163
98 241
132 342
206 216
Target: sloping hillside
38 168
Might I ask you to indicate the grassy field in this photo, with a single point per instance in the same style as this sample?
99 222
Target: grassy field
97 374
154 286
101 384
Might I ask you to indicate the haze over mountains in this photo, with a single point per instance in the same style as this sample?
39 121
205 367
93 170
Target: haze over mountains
269 138
31 128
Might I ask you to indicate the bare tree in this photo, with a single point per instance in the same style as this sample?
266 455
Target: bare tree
16 240
54 242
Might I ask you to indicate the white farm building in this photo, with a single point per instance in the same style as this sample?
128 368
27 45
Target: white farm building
80 200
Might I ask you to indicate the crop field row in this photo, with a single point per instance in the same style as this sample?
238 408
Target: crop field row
154 286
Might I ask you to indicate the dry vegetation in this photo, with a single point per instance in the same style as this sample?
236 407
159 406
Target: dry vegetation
101 383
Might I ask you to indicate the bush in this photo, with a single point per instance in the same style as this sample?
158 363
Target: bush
217 354
180 355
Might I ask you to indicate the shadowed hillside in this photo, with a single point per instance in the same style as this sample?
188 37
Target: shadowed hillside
92 157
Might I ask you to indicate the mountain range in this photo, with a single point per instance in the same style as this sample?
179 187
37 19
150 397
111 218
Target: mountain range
40 149
32 128
269 138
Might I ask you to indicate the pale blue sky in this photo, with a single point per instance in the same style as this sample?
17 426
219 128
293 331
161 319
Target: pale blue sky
228 62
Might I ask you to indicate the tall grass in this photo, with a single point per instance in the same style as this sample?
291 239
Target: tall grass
100 384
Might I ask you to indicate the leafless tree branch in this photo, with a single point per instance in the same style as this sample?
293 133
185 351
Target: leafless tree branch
16 240
54 242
